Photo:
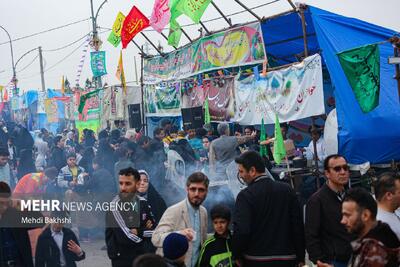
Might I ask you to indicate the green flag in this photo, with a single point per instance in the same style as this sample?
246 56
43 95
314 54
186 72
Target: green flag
362 68
175 33
194 9
113 39
207 118
83 98
175 13
279 145
263 137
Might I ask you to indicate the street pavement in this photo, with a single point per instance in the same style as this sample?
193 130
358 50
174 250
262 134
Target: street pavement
95 257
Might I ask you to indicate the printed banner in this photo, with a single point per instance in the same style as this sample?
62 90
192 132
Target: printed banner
92 124
40 106
220 94
293 93
173 66
162 99
51 108
239 46
98 63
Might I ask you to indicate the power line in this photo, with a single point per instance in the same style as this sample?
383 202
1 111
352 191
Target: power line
64 58
24 68
65 46
45 31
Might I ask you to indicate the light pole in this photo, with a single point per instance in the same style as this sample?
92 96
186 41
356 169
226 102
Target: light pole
96 42
14 78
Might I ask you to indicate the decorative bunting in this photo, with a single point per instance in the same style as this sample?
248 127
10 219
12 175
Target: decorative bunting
82 61
160 15
120 73
134 23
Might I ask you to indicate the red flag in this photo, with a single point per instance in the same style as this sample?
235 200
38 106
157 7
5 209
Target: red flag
134 23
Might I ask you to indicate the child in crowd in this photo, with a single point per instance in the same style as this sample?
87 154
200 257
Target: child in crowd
216 251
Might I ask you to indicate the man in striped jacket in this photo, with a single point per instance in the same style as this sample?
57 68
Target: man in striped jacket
128 221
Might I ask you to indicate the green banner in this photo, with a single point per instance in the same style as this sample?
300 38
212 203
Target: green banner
98 63
163 99
279 145
362 68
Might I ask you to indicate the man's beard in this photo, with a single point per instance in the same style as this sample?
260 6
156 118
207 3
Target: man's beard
358 227
126 196
196 202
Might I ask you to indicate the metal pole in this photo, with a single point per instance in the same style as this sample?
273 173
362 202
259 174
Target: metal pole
222 14
154 46
248 10
41 69
136 74
303 26
14 78
166 38
187 35
397 66
204 27
144 123
96 42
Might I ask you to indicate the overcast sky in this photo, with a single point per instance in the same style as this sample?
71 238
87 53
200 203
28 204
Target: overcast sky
25 17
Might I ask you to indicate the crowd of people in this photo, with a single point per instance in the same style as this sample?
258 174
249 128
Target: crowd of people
182 210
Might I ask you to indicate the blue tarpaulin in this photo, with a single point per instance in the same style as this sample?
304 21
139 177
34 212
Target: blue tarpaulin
373 137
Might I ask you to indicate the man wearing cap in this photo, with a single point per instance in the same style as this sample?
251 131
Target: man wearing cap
175 247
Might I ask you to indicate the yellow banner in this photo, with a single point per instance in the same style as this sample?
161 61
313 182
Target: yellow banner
50 106
117 26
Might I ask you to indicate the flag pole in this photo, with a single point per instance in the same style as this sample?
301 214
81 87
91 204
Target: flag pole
289 172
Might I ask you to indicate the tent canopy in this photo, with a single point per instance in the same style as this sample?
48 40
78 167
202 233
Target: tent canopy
373 137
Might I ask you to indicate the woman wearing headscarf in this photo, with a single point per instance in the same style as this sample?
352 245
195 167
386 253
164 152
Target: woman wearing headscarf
155 201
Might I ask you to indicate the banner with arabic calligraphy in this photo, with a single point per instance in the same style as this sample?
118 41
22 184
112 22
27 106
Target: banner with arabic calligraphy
236 47
162 99
239 46
220 95
98 63
172 66
51 108
293 93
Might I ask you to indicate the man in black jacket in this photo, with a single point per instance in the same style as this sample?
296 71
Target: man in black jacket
58 156
327 240
129 222
15 247
58 246
267 226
